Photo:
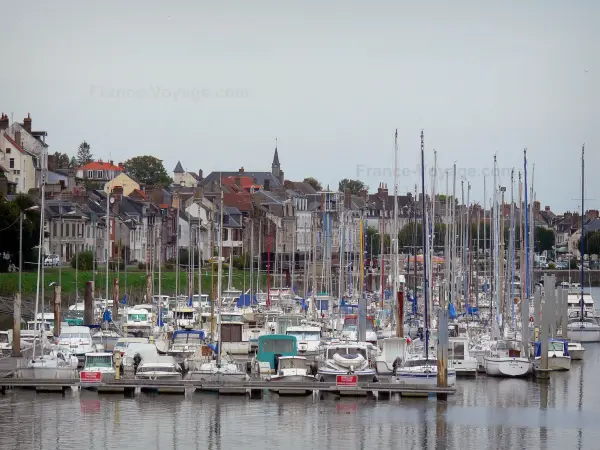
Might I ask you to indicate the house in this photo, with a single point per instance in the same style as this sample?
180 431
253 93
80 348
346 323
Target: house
202 213
123 180
185 179
99 171
21 165
7 187
66 223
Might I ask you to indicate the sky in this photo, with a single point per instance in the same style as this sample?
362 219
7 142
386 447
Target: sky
213 84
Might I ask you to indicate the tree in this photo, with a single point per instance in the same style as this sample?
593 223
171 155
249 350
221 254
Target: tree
592 243
73 163
84 154
61 160
354 186
9 232
314 183
410 235
148 170
544 239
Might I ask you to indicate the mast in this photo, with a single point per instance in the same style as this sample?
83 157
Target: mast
464 245
512 247
453 240
425 238
527 260
107 245
467 248
39 268
382 269
582 231
521 247
220 280
485 234
395 231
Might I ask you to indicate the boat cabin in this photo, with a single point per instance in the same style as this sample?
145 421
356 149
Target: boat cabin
273 346
185 316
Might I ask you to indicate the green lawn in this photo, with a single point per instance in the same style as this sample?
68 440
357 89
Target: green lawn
133 282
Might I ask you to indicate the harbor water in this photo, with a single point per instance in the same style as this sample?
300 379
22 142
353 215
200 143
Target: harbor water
484 413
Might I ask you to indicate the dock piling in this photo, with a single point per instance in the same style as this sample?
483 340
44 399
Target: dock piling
442 352
57 318
16 344
88 303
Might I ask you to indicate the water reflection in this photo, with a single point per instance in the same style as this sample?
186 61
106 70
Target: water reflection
485 413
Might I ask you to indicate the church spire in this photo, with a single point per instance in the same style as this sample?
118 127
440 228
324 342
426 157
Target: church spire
275 164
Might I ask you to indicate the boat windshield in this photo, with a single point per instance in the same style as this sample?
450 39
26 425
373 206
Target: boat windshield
458 350
231 318
292 363
137 317
189 315
187 338
418 362
556 346
305 335
74 336
152 368
347 351
278 345
3 338
98 361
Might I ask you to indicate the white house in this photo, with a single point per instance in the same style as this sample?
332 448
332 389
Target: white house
185 179
21 165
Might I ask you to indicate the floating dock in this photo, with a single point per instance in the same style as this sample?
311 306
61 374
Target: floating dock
255 389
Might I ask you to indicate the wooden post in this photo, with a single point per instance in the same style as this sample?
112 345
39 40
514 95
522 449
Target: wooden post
57 318
148 289
525 324
16 344
564 312
115 308
545 323
88 304
442 351
400 317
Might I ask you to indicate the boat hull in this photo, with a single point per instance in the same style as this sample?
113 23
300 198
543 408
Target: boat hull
576 355
419 378
584 334
465 367
557 363
507 367
330 375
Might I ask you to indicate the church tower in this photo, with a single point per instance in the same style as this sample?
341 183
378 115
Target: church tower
276 167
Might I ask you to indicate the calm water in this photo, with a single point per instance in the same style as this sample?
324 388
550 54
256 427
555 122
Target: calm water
485 413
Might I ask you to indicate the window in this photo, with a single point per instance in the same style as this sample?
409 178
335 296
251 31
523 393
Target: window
90 174
66 229
88 231
99 174
73 229
8 150
12 163
54 229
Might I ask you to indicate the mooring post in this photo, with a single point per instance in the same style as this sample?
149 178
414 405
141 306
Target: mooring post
442 352
16 344
536 310
551 306
148 288
115 308
564 308
88 304
525 324
400 315
548 288
362 319
57 318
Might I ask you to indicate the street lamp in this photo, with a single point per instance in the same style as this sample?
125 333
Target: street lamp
21 214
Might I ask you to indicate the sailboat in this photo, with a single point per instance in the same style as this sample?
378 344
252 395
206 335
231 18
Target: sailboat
583 325
219 369
421 369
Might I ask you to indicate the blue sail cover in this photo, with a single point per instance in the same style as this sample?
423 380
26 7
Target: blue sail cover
452 311
107 316
124 301
246 300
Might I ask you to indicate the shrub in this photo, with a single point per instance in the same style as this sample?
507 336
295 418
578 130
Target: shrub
552 266
116 265
142 266
84 261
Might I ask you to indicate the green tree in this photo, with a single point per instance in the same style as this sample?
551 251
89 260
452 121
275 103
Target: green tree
592 243
314 183
544 239
73 163
354 186
148 170
9 232
411 235
84 154
61 160
84 261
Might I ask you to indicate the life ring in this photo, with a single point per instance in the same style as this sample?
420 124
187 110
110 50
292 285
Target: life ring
531 319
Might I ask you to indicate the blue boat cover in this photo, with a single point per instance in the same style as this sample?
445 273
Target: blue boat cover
538 347
452 311
180 332
214 348
246 300
124 301
107 316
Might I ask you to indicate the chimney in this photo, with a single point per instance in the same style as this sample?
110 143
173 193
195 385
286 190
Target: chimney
547 208
27 123
239 171
267 184
3 122
347 199
536 206
111 162
18 138
200 174
51 163
121 165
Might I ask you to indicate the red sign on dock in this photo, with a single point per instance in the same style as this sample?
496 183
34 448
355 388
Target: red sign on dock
346 380
90 377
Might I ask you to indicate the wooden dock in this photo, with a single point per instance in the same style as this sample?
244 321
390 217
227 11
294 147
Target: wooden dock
253 388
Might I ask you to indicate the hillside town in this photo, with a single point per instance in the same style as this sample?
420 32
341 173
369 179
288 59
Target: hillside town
262 210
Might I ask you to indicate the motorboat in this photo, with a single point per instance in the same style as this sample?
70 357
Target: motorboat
98 368
79 340
576 351
292 369
308 337
54 358
394 351
505 358
346 358
159 368
185 344
137 322
421 371
558 354
459 357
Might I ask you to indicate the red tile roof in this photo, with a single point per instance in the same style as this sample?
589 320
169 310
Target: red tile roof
14 143
241 200
245 182
99 165
139 192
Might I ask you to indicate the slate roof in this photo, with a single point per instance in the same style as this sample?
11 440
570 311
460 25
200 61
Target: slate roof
258 177
178 168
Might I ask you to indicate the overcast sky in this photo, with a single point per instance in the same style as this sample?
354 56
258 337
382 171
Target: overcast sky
213 83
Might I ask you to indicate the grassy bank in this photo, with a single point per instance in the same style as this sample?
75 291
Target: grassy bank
133 282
